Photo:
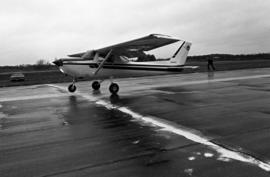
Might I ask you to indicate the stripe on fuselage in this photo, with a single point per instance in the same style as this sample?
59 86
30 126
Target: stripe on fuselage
132 66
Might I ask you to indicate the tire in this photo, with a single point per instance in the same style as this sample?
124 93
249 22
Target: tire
114 88
72 88
96 85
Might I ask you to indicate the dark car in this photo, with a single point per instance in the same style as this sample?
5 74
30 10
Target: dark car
17 77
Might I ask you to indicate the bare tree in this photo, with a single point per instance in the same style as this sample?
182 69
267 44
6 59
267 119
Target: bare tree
41 62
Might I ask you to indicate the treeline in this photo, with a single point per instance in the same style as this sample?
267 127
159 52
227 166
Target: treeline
44 65
39 66
221 57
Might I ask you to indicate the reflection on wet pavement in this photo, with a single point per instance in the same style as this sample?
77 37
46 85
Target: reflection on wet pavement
52 133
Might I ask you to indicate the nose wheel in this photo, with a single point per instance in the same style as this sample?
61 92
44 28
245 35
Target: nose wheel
96 85
114 88
72 88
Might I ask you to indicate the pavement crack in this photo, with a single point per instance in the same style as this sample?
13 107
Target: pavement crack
145 154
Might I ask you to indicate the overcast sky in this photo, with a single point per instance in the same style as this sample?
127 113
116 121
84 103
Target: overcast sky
45 29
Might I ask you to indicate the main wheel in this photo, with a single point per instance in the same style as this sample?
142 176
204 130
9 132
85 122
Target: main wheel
72 88
96 85
114 88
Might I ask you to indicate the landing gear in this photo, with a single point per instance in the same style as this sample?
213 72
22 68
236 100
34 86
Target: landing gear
72 88
114 88
96 85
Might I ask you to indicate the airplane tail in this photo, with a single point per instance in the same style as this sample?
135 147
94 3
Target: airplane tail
180 55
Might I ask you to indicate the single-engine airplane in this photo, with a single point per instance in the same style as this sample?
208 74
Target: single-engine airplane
91 62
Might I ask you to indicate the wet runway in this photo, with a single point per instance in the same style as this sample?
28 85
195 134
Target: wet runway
199 124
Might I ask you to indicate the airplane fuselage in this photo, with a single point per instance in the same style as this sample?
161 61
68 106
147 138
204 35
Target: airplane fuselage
85 68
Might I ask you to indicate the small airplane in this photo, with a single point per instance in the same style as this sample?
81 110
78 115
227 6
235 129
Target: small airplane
91 62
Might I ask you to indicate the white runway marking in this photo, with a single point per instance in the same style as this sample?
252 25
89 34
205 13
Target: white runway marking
207 155
191 158
189 171
224 159
136 142
193 135
188 133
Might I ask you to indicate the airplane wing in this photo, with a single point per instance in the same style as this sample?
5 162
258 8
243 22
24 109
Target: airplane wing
135 47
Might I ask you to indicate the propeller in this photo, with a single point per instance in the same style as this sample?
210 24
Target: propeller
58 62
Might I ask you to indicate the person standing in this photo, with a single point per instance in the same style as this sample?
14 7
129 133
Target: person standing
210 64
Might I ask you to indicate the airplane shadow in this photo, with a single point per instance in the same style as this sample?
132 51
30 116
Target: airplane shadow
96 92
114 99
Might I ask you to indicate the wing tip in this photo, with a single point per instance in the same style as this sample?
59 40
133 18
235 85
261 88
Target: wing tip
164 36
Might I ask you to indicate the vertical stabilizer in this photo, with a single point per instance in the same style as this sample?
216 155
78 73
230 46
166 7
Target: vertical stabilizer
180 56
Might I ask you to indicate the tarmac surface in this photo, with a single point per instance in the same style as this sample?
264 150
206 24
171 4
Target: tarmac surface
198 124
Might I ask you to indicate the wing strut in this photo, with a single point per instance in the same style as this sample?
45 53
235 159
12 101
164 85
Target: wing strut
102 63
